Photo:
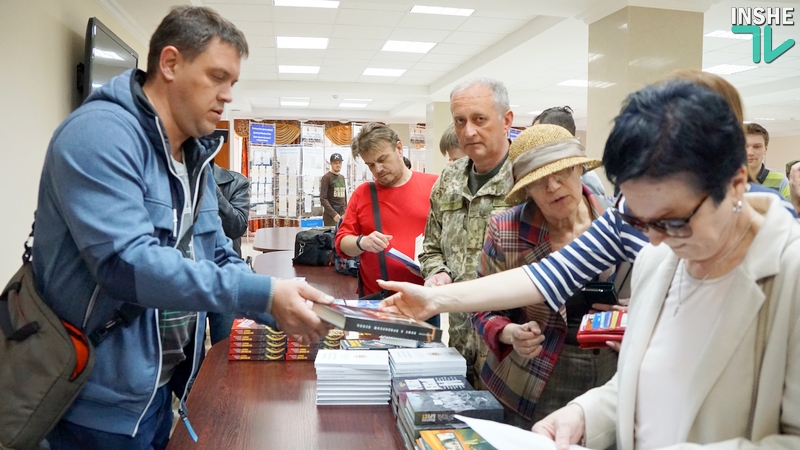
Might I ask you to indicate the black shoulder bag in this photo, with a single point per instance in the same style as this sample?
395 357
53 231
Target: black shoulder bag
376 215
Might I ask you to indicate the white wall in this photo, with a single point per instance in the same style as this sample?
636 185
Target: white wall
41 42
781 150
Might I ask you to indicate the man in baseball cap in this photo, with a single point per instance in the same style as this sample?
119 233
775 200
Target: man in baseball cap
333 192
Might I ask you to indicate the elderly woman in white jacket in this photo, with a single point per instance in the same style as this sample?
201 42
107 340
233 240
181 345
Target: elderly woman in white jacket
711 355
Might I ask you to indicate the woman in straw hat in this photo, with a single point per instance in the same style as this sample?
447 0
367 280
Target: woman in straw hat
552 209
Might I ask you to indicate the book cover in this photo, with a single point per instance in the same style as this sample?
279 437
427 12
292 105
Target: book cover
257 357
376 360
414 430
464 439
404 259
400 342
384 323
416 384
432 357
366 344
440 406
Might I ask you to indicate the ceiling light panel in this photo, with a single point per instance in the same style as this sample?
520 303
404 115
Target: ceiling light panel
408 46
298 69
295 101
442 10
301 42
728 69
308 3
372 71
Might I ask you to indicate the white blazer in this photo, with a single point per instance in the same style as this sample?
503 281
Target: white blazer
717 416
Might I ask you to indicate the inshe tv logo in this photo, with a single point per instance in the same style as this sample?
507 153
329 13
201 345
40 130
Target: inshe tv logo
750 21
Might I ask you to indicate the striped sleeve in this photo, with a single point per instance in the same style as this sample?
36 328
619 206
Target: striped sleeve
608 242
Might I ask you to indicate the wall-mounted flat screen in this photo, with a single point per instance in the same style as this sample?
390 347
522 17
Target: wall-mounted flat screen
106 56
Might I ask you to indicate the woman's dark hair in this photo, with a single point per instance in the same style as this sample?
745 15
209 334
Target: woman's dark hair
676 128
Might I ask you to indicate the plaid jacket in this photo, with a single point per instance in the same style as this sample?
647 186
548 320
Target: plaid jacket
514 238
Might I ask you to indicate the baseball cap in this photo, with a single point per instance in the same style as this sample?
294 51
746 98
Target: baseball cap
336 157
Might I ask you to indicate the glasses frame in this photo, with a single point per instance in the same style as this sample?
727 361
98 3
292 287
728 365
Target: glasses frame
671 227
544 181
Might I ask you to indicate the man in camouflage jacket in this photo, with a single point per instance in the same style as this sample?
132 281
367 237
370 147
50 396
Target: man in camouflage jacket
468 193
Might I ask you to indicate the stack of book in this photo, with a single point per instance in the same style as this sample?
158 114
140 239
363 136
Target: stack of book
352 378
416 362
402 386
251 341
433 412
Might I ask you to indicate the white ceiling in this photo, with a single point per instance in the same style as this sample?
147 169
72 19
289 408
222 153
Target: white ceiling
529 44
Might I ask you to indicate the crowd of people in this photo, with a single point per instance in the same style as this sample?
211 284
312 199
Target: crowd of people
129 212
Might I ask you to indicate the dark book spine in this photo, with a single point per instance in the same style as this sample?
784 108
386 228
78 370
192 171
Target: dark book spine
400 330
429 418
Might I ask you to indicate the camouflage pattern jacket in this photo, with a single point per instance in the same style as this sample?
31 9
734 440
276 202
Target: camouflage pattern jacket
455 232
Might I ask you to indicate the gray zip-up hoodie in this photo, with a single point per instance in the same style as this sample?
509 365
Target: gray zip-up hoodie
106 226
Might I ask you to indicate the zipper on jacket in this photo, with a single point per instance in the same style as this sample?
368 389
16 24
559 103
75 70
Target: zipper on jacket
174 223
200 176
89 308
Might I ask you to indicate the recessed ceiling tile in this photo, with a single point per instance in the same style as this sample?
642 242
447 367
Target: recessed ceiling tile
351 70
258 51
356 44
306 16
417 81
242 12
338 77
431 21
398 56
298 53
363 17
444 58
302 30
393 64
435 74
472 38
340 53
299 61
264 102
361 32
439 67
417 35
376 79
483 24
455 49
375 5
253 28
344 62
298 76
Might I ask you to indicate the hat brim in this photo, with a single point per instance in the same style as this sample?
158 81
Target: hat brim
517 194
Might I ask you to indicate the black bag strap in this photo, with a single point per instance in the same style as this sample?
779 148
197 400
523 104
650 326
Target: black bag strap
376 215
124 316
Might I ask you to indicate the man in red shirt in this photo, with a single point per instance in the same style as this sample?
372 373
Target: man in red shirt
404 202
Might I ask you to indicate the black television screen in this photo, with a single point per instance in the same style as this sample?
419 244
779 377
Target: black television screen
106 56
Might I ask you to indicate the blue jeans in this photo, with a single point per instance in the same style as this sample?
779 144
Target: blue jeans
153 433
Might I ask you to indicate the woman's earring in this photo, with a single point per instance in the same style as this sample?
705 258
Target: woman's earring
737 208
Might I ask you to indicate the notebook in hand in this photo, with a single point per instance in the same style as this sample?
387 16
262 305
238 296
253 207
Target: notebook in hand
350 318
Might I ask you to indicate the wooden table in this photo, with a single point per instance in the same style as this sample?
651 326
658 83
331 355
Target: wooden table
275 239
270 405
324 278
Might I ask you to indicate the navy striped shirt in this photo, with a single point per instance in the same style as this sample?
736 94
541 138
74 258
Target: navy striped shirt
608 242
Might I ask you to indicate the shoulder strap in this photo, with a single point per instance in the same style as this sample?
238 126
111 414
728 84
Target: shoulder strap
124 316
376 215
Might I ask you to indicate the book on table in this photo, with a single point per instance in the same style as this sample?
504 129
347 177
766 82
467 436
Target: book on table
383 323
434 407
410 362
338 371
463 438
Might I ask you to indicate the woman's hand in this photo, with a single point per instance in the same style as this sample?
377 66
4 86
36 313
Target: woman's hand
565 426
410 299
622 307
526 338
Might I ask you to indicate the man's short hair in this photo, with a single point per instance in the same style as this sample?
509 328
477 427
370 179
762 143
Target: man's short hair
449 140
190 29
754 128
557 115
499 92
371 136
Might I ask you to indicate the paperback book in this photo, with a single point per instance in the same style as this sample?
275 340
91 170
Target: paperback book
439 407
384 323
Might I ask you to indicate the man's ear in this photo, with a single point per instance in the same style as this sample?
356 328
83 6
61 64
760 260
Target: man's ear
168 61
400 147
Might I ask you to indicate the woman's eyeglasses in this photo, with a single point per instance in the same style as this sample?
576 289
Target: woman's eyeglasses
671 227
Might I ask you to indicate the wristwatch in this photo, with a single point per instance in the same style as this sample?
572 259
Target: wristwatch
358 242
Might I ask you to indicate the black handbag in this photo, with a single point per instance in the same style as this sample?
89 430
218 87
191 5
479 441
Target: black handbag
314 247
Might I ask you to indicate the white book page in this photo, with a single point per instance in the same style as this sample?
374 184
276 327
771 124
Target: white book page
507 437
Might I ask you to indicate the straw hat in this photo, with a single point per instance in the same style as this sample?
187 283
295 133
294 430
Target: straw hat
543 150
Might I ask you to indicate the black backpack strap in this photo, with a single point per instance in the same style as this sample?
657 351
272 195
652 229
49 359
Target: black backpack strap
376 215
